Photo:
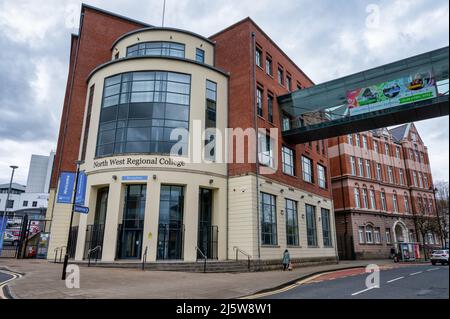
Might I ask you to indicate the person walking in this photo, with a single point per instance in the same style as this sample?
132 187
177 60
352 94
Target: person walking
286 260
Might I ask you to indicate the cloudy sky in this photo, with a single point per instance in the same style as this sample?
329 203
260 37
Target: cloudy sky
326 38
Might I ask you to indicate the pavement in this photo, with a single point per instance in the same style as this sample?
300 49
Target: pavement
42 280
407 282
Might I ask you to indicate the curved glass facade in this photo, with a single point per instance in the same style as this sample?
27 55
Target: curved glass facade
157 49
140 110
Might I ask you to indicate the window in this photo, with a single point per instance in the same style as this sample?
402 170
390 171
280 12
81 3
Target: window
326 228
210 118
390 175
430 204
386 149
412 236
25 203
364 139
377 235
415 178
394 201
357 199
400 173
288 161
350 139
388 235
258 57
364 198
353 165
307 170
291 223
34 204
368 173
420 180
157 49
361 234
280 75
360 167
269 69
375 146
268 220
406 202
379 172
270 107
311 225
200 55
286 123
422 159
397 151
265 150
383 200
369 235
140 110
259 101
411 155
357 140
425 181
322 176
414 137
372 199
288 83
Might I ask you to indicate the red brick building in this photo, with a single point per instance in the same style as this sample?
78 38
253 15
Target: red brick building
381 184
263 214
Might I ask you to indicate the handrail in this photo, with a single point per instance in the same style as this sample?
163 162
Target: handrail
249 257
60 249
95 249
144 259
204 258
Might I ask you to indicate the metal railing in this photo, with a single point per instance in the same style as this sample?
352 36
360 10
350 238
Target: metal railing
249 257
60 249
205 259
96 249
144 259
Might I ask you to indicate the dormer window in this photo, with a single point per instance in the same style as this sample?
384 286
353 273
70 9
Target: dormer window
157 49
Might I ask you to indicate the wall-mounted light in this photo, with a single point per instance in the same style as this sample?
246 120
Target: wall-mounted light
282 212
114 177
281 191
211 181
303 216
155 177
318 202
303 196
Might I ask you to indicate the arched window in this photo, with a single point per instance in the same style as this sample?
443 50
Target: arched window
394 202
406 202
364 197
157 49
430 203
357 199
369 234
373 204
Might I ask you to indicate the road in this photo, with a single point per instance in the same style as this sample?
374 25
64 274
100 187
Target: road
406 282
5 277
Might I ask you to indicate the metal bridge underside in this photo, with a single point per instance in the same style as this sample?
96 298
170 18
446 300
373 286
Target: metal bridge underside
322 98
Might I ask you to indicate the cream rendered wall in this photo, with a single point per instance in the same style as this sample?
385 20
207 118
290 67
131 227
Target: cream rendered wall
191 181
243 219
191 43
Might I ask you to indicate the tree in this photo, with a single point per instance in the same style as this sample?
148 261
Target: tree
442 206
425 223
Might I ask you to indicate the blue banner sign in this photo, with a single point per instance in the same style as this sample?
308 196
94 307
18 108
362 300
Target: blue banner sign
81 189
81 209
134 178
65 191
3 223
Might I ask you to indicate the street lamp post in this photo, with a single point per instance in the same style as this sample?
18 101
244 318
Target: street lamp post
66 256
441 237
5 213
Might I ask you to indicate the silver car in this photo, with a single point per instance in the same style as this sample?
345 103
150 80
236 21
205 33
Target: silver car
439 256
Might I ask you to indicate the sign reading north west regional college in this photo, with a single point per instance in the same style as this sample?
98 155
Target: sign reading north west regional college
418 87
138 162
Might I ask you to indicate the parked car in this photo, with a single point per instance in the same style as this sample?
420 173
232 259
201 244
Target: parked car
439 256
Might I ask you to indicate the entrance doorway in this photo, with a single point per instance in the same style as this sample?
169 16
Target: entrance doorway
131 229
207 233
95 232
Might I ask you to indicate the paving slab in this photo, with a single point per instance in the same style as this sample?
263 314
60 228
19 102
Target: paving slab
42 280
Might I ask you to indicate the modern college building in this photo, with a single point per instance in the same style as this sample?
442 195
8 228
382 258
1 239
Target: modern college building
381 181
131 86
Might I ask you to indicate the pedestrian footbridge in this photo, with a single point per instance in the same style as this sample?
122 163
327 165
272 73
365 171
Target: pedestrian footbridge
408 90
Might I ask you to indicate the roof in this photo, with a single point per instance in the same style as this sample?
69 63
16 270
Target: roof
400 132
14 186
87 6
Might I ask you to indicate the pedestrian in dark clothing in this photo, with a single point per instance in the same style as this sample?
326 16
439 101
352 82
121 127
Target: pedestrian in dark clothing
286 260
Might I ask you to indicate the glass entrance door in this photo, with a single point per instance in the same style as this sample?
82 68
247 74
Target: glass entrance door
95 232
207 233
131 229
171 228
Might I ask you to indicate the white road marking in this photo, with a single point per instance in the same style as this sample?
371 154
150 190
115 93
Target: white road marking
431 269
392 280
3 284
416 273
360 292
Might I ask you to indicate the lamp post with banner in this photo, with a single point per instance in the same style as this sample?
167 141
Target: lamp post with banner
74 192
